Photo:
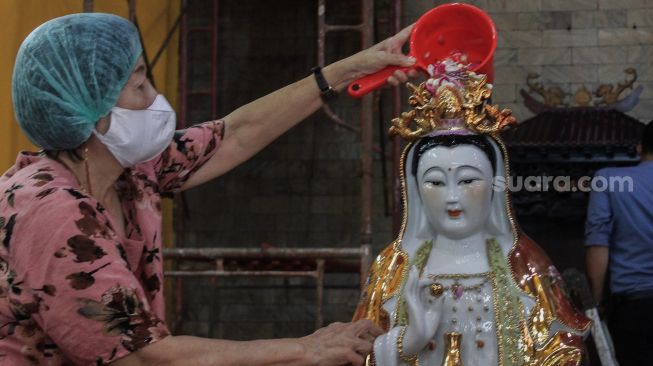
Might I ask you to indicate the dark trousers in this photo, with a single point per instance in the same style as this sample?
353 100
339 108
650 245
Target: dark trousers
631 327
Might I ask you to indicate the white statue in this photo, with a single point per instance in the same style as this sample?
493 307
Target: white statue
461 285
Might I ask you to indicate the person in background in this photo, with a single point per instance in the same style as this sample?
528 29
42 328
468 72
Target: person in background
619 242
81 271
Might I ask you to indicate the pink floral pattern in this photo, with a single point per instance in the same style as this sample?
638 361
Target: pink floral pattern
71 290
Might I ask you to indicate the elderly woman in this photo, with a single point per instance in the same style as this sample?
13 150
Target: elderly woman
80 222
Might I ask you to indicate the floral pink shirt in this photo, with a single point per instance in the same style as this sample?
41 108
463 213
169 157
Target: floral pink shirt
71 291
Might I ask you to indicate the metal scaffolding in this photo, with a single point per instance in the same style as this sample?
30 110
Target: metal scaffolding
272 262
366 30
369 104
320 260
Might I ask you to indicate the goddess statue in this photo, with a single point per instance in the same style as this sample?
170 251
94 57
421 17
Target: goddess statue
461 284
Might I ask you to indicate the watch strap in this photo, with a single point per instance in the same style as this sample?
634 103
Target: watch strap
327 92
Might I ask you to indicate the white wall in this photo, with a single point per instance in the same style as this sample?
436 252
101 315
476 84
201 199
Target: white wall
570 43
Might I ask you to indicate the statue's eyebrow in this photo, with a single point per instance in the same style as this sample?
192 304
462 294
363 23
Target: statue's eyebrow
470 167
434 168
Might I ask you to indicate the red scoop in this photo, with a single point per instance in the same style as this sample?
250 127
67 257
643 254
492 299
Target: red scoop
437 34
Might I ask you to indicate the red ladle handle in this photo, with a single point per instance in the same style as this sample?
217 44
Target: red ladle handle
358 88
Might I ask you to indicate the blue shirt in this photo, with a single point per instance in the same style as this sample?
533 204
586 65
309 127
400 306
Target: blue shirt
623 220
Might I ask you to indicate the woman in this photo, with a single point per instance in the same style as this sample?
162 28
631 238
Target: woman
461 285
80 266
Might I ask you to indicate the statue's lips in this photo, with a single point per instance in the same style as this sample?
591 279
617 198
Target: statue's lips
454 213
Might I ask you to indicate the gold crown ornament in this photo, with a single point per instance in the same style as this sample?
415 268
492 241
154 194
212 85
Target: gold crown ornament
453 100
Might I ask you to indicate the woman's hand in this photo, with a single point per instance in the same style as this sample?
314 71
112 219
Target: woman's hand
386 53
340 343
373 59
424 313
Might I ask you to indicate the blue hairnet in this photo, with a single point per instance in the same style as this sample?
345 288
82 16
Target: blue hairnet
69 73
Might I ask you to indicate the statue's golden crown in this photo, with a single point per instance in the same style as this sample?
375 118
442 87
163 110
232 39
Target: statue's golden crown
451 102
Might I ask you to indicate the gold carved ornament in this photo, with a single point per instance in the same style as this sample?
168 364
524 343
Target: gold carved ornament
434 111
604 95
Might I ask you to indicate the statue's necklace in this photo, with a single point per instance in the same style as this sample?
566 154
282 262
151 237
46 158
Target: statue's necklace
458 290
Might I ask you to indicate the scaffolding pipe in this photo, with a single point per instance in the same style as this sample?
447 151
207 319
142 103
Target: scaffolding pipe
367 135
319 293
218 273
256 253
183 68
132 11
168 38
322 30
214 61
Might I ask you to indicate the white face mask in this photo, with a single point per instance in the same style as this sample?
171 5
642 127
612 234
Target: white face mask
136 136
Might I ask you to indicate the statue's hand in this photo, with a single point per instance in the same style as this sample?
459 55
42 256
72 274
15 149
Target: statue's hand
424 312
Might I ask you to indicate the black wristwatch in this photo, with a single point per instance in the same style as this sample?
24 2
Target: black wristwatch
327 92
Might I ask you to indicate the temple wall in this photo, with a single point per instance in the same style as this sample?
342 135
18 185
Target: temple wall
571 43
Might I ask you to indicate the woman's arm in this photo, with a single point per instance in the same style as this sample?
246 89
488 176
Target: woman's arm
337 344
253 126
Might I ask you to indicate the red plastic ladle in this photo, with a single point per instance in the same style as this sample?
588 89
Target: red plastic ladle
437 34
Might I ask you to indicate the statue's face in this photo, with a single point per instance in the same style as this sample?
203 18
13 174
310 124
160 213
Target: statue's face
455 184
